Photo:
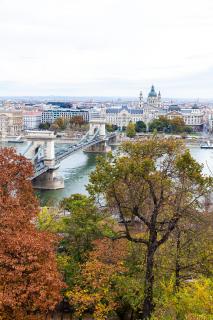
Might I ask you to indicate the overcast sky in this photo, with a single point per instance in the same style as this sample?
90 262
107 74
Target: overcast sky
106 47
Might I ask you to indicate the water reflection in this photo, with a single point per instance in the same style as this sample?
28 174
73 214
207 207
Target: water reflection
75 171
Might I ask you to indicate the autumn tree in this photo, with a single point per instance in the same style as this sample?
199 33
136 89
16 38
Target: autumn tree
96 292
77 120
192 302
81 225
59 124
164 124
185 258
30 284
130 130
154 184
190 249
177 125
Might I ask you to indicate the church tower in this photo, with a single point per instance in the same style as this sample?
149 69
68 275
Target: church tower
141 100
159 100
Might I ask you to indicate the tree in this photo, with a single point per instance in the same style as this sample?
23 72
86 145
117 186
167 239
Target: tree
82 227
188 129
29 281
77 120
155 184
140 126
190 249
111 127
61 123
161 124
192 302
177 125
54 127
187 256
96 291
130 130
44 126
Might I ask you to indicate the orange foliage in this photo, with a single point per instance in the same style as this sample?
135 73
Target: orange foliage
77 120
95 292
29 280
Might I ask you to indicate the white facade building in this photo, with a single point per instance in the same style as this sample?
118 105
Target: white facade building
11 122
193 117
51 115
32 119
122 116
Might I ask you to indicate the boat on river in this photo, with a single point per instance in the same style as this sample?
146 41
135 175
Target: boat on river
15 141
207 145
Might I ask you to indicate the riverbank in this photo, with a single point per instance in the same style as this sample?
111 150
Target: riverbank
189 139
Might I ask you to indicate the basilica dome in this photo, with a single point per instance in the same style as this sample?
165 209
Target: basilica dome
152 92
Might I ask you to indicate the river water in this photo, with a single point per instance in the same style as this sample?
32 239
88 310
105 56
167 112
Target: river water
76 169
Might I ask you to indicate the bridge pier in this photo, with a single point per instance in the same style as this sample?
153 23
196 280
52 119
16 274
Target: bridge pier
49 180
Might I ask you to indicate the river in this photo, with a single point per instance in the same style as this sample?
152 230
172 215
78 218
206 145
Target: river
76 169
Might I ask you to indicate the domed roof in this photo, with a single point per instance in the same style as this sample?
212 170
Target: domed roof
152 92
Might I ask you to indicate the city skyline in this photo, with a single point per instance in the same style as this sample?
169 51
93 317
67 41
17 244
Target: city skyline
106 48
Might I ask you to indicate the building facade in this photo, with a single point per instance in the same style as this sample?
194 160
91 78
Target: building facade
11 123
192 117
52 114
122 116
32 119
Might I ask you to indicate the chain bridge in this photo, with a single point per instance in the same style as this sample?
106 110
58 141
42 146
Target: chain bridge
46 161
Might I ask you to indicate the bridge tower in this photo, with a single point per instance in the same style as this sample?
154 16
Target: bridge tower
98 125
98 122
41 152
42 141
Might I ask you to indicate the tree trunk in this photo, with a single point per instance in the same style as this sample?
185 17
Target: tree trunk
148 304
177 268
177 262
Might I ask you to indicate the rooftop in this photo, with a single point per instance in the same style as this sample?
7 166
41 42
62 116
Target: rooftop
124 107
